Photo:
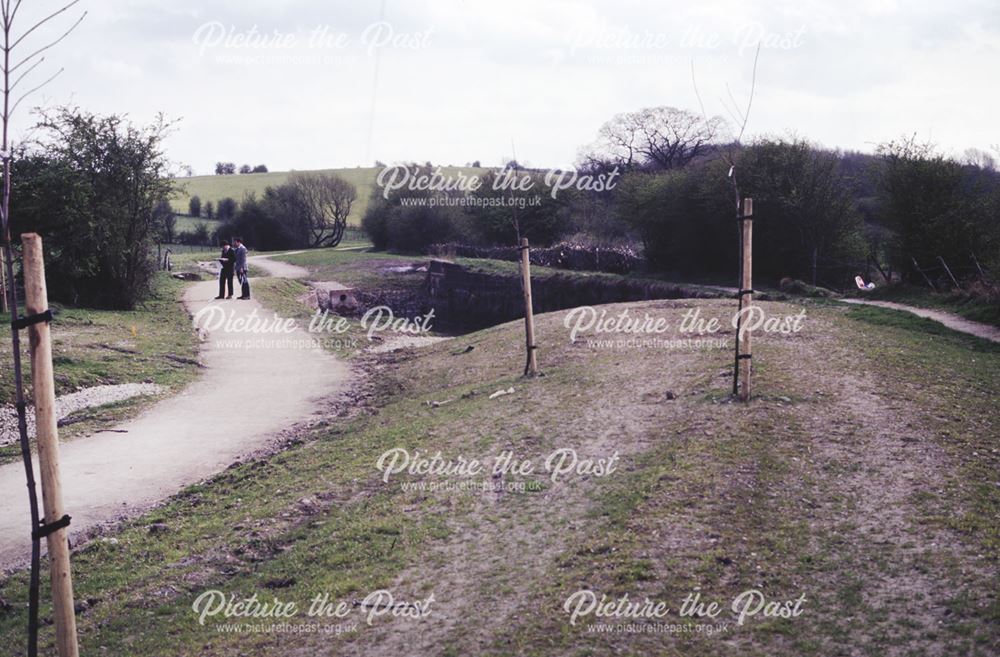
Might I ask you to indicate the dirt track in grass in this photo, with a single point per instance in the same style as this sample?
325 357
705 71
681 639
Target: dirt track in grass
827 485
951 320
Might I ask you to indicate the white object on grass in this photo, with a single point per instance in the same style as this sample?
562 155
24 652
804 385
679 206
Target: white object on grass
500 393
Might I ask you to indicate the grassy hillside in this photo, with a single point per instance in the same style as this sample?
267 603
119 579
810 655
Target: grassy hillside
213 188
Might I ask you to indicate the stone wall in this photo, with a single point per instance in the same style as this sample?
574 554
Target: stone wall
465 299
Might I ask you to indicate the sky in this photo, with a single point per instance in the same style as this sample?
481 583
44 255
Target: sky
339 83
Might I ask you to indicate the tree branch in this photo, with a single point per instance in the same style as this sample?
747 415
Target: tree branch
43 22
19 100
20 77
44 48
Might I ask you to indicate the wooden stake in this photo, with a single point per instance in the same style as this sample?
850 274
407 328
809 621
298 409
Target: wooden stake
746 284
36 301
982 275
531 368
950 275
917 267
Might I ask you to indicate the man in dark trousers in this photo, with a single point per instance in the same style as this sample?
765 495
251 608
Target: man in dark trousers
241 268
228 263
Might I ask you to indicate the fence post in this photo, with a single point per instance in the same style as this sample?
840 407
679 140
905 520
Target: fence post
982 274
914 260
746 291
531 364
950 275
36 302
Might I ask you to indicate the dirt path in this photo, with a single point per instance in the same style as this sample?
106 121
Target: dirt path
278 268
950 320
254 385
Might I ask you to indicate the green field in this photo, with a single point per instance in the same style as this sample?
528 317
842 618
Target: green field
187 224
214 188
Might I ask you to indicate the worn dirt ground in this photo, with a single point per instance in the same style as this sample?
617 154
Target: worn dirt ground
862 476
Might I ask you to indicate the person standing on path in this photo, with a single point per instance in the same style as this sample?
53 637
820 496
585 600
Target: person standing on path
228 262
241 268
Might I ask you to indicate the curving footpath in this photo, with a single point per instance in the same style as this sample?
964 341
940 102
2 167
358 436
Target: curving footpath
251 389
952 321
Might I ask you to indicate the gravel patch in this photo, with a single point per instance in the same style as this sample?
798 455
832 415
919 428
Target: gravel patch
402 342
73 402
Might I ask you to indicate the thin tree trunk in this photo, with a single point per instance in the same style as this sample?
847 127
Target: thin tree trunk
3 283
815 258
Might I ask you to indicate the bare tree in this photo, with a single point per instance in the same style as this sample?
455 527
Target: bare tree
326 200
741 117
15 71
657 137
979 158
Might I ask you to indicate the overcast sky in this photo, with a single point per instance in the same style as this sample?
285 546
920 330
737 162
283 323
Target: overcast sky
335 83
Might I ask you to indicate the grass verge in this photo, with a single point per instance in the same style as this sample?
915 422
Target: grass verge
152 344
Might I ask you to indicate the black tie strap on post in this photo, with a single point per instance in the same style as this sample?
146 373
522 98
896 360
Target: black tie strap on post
30 320
740 293
44 530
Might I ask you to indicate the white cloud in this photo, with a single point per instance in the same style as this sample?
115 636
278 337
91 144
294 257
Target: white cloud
543 74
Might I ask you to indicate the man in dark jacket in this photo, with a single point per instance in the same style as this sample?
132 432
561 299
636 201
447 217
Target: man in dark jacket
241 268
228 263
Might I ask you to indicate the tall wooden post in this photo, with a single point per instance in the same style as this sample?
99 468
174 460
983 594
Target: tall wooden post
746 287
950 275
36 302
531 366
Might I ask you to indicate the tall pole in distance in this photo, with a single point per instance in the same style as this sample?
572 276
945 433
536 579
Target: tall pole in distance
531 364
746 292
36 302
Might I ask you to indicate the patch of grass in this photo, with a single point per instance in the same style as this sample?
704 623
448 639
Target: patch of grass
281 522
901 319
952 377
282 295
101 347
365 270
961 303
187 224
